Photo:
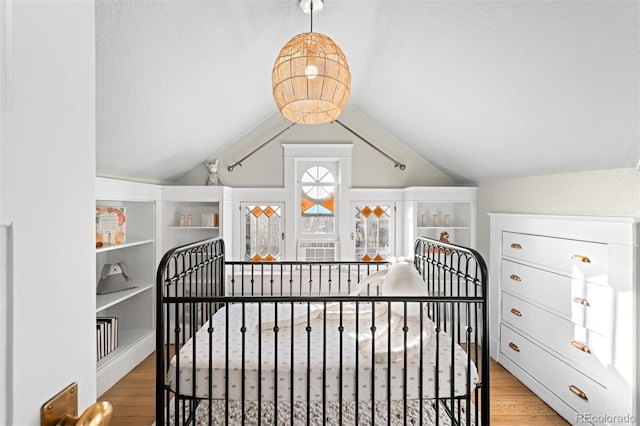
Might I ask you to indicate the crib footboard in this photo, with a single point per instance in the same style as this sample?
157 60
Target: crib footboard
320 343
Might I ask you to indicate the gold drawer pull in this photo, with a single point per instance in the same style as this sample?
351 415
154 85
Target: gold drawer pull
516 312
583 302
581 347
576 391
581 258
515 277
514 346
516 246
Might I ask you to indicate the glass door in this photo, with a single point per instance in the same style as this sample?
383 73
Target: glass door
372 231
263 231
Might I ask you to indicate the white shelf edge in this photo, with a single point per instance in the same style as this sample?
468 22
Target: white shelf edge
124 245
444 227
193 227
104 301
126 340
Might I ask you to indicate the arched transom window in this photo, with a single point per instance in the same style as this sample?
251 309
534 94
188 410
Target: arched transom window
317 200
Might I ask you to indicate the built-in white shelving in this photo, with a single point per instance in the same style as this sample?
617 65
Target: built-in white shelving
437 212
105 301
134 307
183 211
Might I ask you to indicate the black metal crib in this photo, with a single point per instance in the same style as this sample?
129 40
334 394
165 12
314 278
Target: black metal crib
321 342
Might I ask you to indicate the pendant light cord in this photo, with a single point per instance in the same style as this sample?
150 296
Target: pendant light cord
311 13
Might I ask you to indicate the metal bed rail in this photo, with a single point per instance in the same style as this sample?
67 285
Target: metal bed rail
194 282
453 270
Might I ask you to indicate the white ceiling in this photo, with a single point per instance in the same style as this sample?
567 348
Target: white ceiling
482 89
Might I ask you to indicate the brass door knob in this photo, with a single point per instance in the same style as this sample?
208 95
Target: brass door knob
61 410
98 414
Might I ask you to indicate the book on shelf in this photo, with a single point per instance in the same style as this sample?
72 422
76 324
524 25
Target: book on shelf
107 329
111 226
99 340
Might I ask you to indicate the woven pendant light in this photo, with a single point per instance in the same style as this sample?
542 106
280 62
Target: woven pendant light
311 79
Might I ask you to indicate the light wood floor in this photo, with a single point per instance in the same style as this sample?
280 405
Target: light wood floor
133 399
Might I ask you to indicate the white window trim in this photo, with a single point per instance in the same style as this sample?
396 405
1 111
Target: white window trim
306 153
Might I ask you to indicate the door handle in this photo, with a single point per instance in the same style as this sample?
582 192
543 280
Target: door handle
61 410
98 414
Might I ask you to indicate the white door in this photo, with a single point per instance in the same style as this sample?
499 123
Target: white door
317 224
262 231
372 234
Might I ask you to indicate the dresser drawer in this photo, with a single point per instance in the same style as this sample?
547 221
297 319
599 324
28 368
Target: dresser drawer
574 388
586 350
581 260
586 304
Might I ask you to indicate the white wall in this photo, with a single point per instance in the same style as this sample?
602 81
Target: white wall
47 171
613 192
265 168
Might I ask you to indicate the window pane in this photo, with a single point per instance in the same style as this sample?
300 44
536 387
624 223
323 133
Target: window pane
262 233
372 232
318 224
317 201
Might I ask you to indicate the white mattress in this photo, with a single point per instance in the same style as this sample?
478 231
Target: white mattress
267 372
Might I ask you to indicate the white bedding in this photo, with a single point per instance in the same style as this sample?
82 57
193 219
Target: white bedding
369 372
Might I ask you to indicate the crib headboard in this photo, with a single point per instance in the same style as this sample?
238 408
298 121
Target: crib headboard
458 273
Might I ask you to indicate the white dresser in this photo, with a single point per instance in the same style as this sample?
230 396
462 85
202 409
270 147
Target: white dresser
564 311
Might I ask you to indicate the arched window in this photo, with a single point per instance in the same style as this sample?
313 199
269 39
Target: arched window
317 201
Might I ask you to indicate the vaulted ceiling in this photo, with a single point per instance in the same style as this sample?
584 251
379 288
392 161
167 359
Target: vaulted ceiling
482 89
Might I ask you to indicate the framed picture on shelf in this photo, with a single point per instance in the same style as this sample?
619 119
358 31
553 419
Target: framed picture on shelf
111 223
210 219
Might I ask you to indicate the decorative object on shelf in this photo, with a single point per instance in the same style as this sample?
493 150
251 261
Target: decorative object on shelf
181 220
114 277
189 220
444 238
210 219
110 226
424 220
311 79
212 168
446 220
435 220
